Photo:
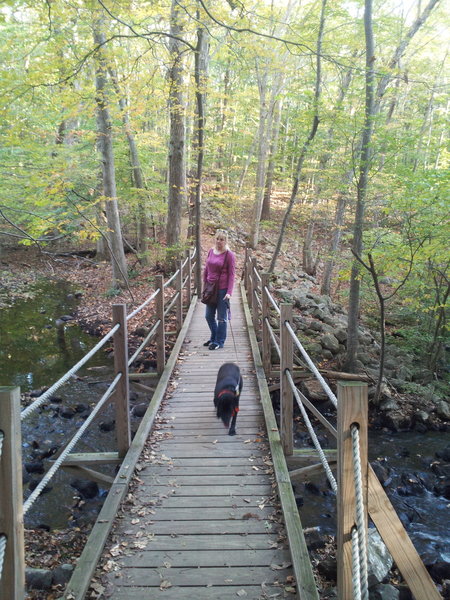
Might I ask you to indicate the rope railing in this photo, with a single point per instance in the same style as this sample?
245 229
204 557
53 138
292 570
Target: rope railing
46 395
2 437
146 340
3 542
272 300
360 519
53 469
311 365
171 304
312 434
143 305
169 281
275 343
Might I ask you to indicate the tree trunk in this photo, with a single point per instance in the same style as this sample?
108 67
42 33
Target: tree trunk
353 310
265 213
335 241
177 163
114 235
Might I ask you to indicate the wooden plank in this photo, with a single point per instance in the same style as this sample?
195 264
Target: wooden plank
194 543
398 542
225 527
92 458
201 593
204 490
238 576
208 558
219 513
86 473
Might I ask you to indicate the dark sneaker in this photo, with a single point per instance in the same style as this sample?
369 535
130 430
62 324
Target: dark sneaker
214 346
208 343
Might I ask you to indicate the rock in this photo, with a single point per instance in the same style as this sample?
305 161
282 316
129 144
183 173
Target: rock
35 482
422 416
329 342
444 454
87 489
384 591
62 574
364 357
440 570
381 472
312 389
35 467
328 569
106 425
67 412
388 404
443 409
38 579
341 335
411 485
314 539
139 410
379 559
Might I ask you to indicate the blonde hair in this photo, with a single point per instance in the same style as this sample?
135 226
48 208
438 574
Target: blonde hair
224 232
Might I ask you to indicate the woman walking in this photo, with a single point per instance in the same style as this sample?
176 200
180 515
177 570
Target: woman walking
220 268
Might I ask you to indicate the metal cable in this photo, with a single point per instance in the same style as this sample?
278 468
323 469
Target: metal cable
311 365
46 395
145 342
272 300
274 339
360 514
48 476
2 437
356 580
312 433
2 552
139 308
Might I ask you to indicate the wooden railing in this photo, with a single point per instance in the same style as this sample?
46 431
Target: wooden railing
171 297
358 491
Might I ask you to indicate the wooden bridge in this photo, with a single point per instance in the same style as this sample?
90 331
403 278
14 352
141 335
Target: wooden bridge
195 513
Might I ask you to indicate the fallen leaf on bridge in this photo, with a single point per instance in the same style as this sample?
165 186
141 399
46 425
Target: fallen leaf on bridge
284 565
165 585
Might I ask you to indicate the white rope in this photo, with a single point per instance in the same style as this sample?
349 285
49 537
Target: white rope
46 395
172 304
145 342
272 300
139 308
360 514
2 553
310 364
312 433
2 437
258 301
258 276
184 263
356 580
169 281
274 339
48 476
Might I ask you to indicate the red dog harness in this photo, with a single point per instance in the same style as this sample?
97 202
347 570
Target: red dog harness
236 408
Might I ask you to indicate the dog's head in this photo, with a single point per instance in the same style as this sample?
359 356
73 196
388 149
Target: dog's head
225 405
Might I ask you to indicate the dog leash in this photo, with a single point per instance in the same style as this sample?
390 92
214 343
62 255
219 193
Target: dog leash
231 328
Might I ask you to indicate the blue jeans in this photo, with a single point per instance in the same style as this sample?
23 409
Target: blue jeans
217 327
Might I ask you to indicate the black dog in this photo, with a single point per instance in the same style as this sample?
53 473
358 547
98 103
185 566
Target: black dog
226 395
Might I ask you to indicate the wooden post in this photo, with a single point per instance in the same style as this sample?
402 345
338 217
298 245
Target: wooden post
160 336
266 343
253 302
246 270
179 302
352 409
286 394
12 580
122 392
189 278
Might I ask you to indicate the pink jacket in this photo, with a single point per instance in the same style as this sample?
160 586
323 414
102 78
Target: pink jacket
213 266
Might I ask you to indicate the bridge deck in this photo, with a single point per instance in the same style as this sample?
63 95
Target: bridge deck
202 518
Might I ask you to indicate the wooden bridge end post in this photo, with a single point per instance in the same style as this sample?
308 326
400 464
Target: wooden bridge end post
122 391
179 305
266 348
245 273
12 577
189 278
352 409
161 335
286 395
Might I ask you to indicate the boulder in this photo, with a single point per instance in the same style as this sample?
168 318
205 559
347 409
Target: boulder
329 342
87 489
62 574
313 390
379 559
38 579
443 409
384 591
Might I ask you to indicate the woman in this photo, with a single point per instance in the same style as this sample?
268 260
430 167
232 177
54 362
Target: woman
220 266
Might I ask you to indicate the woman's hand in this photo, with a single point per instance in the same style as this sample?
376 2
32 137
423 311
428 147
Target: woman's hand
227 297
